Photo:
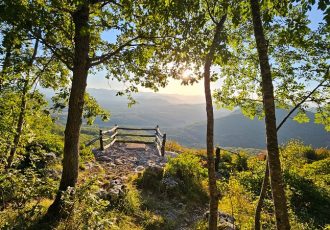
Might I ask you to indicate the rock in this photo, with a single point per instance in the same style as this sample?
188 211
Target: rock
111 164
140 168
142 161
54 174
97 152
50 157
102 193
114 193
226 221
89 165
104 158
115 182
169 182
118 162
226 217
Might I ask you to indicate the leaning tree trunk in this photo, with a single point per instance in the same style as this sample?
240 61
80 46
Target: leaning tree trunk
214 193
276 180
20 123
262 196
76 103
21 116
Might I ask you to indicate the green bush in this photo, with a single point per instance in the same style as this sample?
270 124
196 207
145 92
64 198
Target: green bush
86 154
310 203
187 171
151 179
21 192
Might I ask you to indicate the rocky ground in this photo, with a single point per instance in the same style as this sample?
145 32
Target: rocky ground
122 160
129 158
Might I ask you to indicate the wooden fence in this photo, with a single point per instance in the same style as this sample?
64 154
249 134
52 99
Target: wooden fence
132 135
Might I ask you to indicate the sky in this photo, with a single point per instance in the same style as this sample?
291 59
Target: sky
99 81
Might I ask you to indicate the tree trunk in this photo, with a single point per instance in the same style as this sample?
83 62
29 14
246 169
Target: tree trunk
20 123
76 103
262 196
265 182
21 116
276 181
214 194
6 63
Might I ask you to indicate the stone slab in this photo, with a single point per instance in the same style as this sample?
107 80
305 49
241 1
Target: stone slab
135 146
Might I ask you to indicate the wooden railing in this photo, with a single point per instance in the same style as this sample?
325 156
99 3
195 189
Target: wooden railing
114 135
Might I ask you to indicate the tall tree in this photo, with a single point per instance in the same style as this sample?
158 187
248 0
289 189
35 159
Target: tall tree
21 116
24 66
299 57
72 33
265 181
214 193
76 102
276 180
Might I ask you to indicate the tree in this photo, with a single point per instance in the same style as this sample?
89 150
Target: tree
195 51
19 127
299 67
276 180
72 33
265 181
24 66
214 196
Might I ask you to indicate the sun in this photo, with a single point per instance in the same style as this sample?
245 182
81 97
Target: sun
187 74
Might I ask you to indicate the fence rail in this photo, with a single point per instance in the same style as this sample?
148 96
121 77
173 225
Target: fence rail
114 134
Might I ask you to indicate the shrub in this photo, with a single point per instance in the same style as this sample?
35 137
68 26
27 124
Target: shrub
86 154
21 194
309 202
295 153
151 179
189 174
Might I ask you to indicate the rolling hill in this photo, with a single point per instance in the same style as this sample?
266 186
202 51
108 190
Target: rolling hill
237 130
183 118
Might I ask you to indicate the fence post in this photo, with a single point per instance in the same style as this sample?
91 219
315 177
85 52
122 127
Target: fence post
163 144
217 159
101 140
156 133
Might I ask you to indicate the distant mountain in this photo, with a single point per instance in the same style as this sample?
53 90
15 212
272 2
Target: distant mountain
183 118
165 110
238 130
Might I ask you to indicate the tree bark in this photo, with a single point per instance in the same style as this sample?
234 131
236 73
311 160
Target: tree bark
76 103
214 193
262 196
265 181
276 180
21 116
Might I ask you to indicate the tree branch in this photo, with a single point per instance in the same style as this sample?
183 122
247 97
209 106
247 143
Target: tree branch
98 60
303 100
53 50
209 11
